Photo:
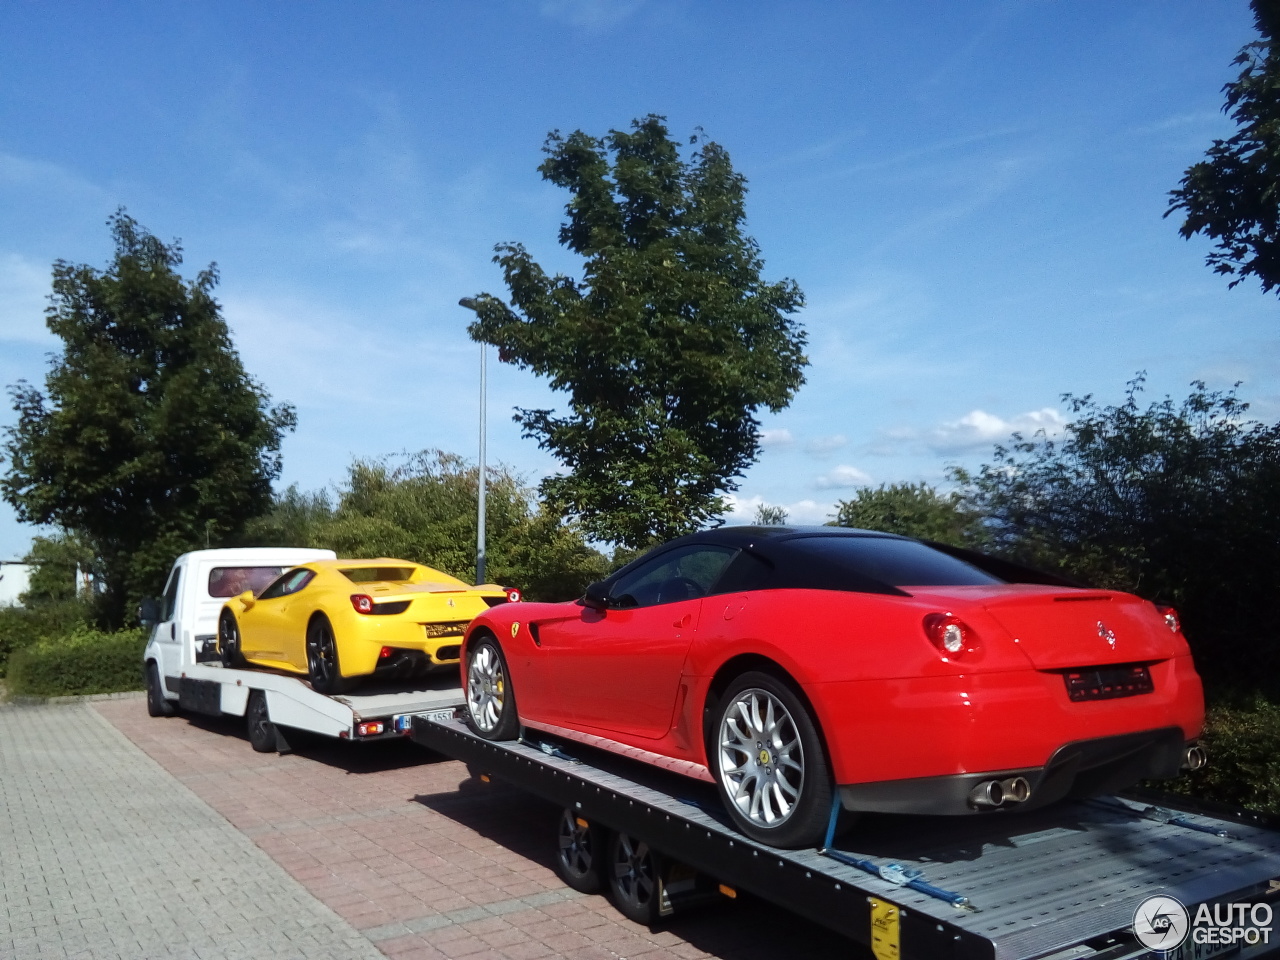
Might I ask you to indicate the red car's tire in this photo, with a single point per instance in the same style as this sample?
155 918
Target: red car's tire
491 701
769 764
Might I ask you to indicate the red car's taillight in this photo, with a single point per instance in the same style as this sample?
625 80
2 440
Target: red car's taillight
362 602
1170 617
951 635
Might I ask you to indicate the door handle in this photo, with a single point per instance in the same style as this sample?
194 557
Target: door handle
683 621
173 631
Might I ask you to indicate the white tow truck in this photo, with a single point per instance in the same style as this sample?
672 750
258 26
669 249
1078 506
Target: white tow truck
184 670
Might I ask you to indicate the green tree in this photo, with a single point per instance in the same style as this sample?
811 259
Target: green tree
55 561
150 438
769 515
912 510
423 508
667 347
1174 501
1233 196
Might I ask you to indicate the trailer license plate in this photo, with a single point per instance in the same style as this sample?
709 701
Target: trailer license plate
441 715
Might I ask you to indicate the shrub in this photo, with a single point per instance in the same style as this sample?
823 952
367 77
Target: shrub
22 626
1243 742
83 661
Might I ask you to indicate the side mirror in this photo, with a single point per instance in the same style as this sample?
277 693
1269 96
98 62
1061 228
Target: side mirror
247 599
149 612
596 596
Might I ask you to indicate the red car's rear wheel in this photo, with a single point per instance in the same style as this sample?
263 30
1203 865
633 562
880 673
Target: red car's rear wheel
769 763
491 703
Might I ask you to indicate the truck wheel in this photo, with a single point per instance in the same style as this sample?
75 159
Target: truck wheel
579 852
157 704
769 764
229 640
491 702
322 658
262 732
635 878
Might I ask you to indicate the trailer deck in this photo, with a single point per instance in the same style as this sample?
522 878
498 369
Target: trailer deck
1060 883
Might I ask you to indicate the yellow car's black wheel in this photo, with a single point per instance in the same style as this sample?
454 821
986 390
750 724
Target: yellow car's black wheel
229 640
323 667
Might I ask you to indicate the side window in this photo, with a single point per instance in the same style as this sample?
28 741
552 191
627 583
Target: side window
170 604
291 582
683 574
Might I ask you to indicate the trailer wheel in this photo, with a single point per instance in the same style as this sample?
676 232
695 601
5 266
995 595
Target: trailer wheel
491 703
579 852
769 764
229 640
634 872
262 732
157 704
323 667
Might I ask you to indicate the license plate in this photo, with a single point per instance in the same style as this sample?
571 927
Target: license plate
1202 951
441 715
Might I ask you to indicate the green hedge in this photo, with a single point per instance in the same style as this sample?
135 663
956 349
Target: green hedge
21 627
1242 738
81 662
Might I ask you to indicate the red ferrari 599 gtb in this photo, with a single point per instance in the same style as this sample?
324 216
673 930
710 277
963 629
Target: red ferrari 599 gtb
795 666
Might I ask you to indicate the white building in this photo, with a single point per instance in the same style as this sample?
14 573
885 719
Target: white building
14 577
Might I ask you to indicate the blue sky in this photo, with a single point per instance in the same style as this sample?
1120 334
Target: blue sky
970 196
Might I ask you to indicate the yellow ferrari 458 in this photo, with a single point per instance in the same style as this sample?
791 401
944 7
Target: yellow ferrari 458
337 620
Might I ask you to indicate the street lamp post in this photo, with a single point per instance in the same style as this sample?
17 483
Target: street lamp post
480 516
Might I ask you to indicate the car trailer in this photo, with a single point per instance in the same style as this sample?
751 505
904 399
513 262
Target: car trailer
1062 883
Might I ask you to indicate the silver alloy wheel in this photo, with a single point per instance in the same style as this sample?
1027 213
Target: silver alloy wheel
761 758
486 688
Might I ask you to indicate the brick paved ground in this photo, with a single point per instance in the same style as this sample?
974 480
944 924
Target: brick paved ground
103 855
427 863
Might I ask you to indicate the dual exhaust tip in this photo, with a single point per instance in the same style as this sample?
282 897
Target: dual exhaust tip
990 794
1194 758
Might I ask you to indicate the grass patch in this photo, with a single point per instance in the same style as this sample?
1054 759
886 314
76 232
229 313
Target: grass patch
83 661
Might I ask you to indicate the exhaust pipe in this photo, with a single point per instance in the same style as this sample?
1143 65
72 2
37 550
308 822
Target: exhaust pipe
1194 758
1016 790
990 794
987 795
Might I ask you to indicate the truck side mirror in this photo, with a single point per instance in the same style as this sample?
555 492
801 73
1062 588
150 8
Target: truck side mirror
149 612
596 596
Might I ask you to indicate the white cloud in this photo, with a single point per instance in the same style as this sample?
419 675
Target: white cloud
590 13
841 477
776 438
801 512
981 429
23 288
823 447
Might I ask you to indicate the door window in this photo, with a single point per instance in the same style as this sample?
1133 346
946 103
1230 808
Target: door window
170 603
291 582
686 573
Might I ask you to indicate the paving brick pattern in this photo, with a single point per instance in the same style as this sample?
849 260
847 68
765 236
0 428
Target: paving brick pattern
103 855
428 863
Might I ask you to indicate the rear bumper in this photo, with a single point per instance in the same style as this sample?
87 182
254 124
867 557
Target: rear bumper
1085 768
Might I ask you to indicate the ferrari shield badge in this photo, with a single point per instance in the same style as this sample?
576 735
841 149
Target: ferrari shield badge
515 628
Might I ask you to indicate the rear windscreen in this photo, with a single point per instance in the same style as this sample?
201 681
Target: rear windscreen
370 574
899 563
233 581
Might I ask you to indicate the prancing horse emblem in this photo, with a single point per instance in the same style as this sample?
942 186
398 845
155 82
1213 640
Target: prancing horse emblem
1107 635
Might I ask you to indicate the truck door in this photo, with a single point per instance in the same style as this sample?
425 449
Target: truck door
168 631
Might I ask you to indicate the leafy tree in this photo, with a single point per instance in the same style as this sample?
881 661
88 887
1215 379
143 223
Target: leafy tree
150 438
1175 501
424 509
768 515
668 345
55 562
1233 196
913 510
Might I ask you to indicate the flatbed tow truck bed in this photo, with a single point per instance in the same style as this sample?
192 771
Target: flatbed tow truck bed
1056 884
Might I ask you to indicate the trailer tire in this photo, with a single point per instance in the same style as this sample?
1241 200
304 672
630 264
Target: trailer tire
158 705
491 701
262 732
634 872
323 667
580 852
229 640
769 764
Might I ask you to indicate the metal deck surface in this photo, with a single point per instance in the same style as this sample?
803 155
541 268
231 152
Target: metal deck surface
1037 882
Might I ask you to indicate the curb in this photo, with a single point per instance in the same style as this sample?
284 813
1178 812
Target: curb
21 701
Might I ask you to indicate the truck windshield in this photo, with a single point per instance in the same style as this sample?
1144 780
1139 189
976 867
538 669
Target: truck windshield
233 581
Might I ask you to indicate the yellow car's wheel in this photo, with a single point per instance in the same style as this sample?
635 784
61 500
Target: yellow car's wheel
229 640
323 667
